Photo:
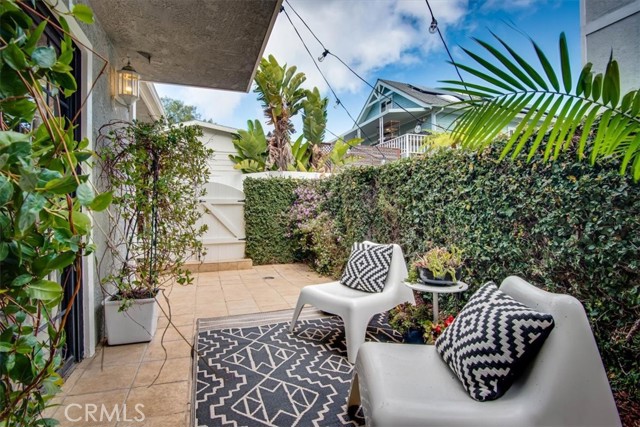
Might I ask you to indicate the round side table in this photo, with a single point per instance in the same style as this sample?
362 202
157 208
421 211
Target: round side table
435 290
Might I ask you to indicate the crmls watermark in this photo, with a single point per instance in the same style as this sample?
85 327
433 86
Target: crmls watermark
77 413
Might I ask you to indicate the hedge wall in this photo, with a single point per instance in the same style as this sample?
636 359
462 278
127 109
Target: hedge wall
266 226
565 226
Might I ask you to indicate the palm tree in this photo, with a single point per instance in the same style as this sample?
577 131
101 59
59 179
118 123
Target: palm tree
314 124
279 91
591 115
251 145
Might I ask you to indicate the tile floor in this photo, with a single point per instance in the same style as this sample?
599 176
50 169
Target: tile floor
123 374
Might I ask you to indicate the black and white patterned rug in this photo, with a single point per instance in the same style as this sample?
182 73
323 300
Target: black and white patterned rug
250 371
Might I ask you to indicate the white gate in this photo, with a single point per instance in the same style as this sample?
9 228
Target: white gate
223 213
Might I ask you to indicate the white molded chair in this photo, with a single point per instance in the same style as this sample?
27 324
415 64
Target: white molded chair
565 385
356 308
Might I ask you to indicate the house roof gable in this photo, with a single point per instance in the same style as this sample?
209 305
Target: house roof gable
425 96
421 96
212 126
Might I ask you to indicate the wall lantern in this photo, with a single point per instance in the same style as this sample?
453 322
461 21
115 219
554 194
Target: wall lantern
418 127
128 85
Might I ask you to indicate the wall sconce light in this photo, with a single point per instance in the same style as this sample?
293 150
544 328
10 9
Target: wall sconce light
128 85
418 127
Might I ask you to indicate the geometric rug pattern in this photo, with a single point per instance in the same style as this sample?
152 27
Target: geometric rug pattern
263 375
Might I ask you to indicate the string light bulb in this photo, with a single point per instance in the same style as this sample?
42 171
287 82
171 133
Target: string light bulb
324 55
434 26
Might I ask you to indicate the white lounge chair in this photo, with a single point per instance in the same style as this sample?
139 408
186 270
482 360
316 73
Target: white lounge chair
565 385
356 308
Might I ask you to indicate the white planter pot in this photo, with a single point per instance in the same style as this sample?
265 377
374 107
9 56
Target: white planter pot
136 324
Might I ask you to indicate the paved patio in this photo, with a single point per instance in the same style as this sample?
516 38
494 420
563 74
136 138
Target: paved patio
123 374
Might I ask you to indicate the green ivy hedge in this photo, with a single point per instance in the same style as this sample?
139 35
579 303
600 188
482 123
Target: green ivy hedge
267 202
565 226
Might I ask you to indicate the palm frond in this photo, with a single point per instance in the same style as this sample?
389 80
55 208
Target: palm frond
546 106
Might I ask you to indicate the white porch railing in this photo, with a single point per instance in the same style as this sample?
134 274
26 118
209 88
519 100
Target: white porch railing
409 144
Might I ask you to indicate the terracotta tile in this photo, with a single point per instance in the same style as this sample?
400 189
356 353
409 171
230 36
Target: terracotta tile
173 420
182 308
52 406
245 264
228 266
181 299
95 379
161 399
177 319
263 302
265 293
174 350
225 283
208 292
76 411
238 295
291 300
231 275
73 378
242 307
174 370
180 290
211 311
277 282
289 291
118 355
174 333
212 281
266 308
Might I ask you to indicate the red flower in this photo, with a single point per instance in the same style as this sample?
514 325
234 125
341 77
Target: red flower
448 321
437 329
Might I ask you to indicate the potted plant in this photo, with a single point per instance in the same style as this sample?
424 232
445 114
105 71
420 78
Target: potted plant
440 266
157 173
415 323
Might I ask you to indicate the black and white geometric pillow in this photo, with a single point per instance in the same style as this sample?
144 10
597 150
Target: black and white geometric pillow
367 267
491 341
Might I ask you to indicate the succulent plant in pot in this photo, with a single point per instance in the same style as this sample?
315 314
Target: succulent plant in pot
440 266
416 324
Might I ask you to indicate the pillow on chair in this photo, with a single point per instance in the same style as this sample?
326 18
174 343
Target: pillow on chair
491 341
367 267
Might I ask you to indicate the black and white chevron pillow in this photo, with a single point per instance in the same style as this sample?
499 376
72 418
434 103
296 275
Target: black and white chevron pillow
367 267
491 341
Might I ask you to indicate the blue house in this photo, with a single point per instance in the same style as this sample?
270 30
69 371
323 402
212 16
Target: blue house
399 115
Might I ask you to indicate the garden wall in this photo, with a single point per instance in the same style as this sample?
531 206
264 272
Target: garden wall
565 226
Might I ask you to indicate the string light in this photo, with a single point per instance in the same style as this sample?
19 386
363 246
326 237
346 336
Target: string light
433 28
338 102
324 55
327 52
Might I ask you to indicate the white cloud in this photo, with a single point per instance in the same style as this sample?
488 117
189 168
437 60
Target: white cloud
367 35
511 4
218 105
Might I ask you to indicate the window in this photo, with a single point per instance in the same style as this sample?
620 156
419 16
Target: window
385 105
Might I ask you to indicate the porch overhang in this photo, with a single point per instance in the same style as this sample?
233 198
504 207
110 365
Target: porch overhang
213 44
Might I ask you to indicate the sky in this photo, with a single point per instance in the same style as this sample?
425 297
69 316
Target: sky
384 39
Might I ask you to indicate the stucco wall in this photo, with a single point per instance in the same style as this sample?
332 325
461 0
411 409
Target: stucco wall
103 110
621 37
598 8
